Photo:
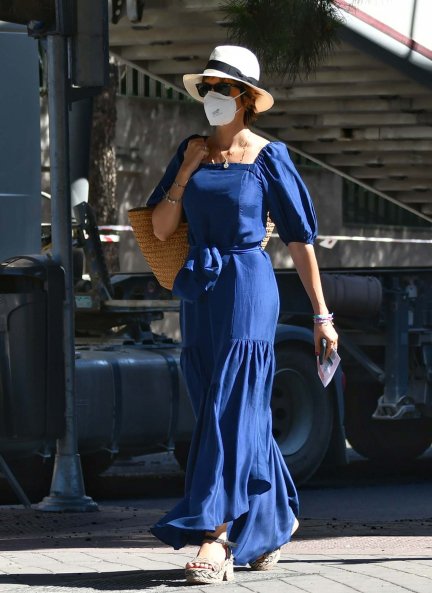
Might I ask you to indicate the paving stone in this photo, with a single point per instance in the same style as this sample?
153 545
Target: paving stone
396 576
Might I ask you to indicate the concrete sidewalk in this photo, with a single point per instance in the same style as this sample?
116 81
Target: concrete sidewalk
112 550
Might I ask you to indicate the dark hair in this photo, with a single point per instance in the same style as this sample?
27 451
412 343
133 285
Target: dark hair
248 101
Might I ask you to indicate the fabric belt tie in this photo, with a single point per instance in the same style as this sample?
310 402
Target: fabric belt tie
202 269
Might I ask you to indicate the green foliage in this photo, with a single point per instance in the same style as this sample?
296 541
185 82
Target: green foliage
289 37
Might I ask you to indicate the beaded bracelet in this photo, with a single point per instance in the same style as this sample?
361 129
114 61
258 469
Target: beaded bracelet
179 184
170 200
321 319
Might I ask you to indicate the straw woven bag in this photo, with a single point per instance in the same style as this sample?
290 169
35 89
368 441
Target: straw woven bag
165 258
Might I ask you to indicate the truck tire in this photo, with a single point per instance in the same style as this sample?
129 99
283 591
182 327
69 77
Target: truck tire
302 411
386 441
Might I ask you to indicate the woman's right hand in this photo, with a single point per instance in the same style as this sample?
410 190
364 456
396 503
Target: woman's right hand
195 152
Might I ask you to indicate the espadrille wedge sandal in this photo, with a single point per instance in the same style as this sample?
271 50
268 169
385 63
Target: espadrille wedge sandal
266 561
270 559
215 572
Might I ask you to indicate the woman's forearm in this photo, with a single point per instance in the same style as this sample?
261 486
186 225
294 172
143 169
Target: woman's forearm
165 218
167 214
304 259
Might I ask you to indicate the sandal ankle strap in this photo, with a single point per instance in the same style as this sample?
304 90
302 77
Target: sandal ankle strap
219 540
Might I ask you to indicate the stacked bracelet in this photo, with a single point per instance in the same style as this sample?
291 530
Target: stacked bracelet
179 184
170 200
321 319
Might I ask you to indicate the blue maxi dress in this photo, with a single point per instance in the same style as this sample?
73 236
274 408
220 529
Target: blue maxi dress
229 310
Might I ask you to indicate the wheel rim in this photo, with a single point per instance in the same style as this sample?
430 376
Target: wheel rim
292 411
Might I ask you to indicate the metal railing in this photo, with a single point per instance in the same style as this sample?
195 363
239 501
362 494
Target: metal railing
364 208
134 83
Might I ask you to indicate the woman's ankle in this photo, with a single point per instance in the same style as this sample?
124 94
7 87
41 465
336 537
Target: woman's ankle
219 533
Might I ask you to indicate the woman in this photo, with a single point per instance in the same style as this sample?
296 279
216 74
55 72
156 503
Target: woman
238 492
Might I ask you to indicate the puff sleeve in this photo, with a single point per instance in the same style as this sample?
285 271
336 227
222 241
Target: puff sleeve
170 174
286 196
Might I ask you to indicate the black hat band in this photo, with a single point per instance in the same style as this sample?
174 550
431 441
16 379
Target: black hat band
231 71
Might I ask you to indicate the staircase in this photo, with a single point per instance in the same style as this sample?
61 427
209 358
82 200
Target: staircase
366 113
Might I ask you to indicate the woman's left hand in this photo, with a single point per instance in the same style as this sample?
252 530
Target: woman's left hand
327 331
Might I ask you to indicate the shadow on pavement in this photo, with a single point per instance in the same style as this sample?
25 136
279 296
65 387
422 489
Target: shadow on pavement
104 581
128 527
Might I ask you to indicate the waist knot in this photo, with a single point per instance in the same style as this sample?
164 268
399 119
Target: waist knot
202 268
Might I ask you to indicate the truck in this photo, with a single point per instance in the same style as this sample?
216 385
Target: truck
130 397
381 399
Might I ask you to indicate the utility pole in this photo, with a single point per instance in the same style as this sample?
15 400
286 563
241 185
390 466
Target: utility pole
75 33
67 488
77 55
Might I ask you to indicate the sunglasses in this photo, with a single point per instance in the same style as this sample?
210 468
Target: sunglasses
223 88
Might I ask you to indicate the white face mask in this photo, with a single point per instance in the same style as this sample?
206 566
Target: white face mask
220 110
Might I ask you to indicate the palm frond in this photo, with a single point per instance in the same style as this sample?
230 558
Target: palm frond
289 37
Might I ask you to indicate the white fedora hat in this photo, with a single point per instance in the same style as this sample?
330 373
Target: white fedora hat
237 63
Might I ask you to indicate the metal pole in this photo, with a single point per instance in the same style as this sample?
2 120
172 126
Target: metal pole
67 486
